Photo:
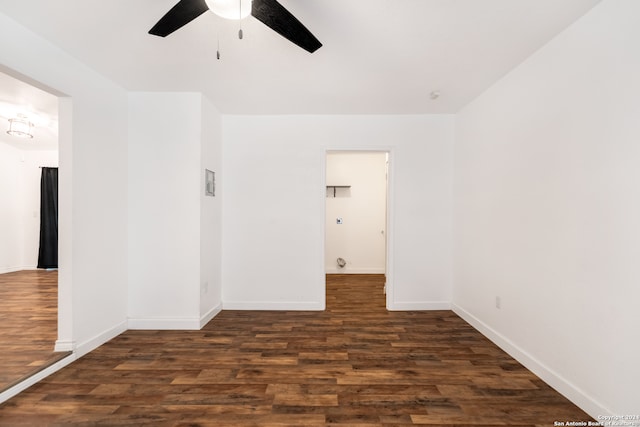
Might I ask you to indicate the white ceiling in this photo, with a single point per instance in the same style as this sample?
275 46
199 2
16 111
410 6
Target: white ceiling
379 56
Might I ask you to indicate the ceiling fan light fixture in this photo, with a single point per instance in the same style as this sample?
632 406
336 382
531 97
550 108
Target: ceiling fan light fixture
270 12
230 9
20 127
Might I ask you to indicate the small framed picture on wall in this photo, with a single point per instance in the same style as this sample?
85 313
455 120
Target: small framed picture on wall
209 183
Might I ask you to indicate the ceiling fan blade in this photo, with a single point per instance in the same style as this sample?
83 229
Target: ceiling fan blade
275 16
179 15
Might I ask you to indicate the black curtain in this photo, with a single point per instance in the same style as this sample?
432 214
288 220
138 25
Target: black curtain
48 253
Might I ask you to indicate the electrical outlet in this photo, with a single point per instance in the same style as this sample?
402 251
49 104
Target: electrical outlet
498 303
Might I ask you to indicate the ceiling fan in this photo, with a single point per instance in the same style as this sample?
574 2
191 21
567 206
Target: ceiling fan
269 12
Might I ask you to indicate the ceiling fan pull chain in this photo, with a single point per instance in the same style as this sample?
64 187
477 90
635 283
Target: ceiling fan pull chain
240 33
218 51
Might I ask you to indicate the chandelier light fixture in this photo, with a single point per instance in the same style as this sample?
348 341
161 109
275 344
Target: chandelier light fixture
21 127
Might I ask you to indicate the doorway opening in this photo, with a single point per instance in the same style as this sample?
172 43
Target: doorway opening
29 302
356 247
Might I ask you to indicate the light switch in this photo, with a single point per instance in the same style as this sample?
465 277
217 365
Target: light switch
338 220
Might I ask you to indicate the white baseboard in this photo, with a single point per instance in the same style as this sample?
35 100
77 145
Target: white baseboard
4 270
208 316
273 306
548 375
419 306
64 345
95 342
173 323
350 270
20 387
164 323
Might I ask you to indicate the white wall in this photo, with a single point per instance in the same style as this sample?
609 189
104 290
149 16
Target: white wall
93 182
274 202
164 209
174 230
360 239
11 209
547 211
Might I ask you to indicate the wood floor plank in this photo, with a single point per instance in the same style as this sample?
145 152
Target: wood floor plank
354 364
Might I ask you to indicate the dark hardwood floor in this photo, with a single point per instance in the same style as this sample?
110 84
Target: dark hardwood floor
354 364
28 324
